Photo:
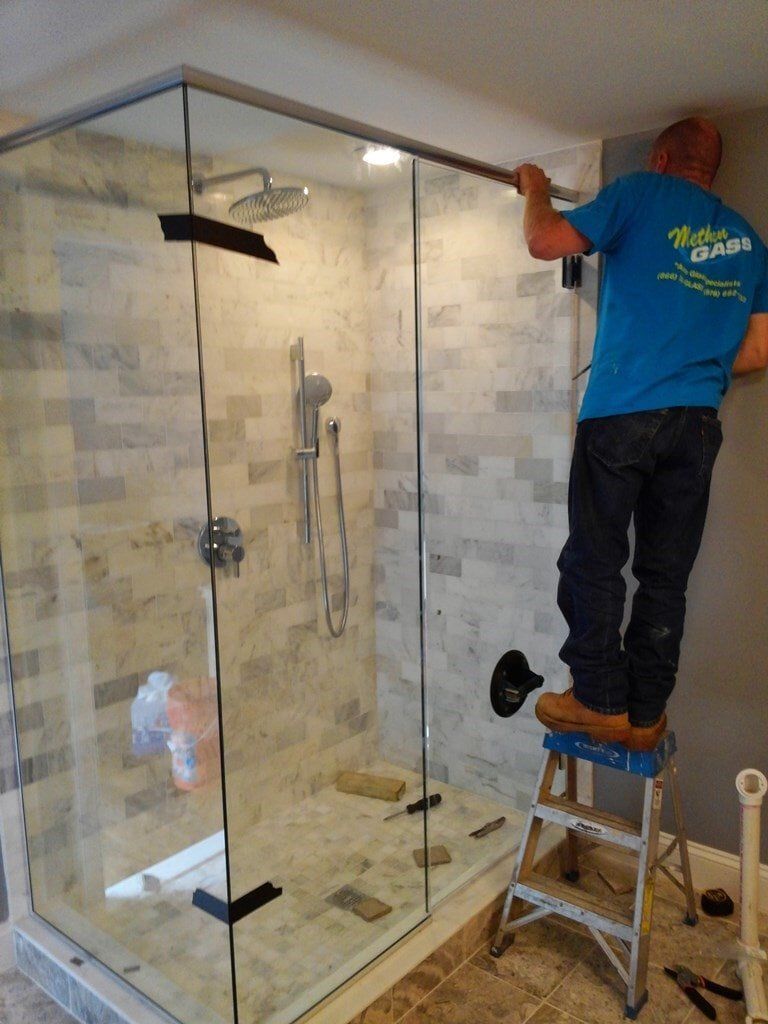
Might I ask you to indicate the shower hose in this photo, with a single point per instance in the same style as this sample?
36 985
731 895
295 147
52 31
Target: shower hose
334 630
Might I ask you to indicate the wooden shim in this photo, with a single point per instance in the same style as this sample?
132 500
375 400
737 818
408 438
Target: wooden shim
379 787
437 855
371 909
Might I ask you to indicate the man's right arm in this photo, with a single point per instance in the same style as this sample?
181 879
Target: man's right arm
753 353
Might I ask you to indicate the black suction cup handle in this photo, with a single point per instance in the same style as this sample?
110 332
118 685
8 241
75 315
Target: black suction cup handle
511 682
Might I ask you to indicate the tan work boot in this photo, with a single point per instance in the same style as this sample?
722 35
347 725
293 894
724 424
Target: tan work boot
646 737
561 712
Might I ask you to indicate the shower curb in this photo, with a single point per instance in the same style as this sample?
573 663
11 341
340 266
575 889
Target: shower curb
78 983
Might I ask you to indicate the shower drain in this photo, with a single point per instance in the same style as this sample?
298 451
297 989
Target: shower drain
346 898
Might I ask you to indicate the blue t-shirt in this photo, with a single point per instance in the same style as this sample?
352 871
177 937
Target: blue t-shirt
682 275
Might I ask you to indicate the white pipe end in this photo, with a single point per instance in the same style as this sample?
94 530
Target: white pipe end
751 785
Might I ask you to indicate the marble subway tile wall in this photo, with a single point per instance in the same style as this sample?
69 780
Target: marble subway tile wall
500 340
299 706
104 492
102 481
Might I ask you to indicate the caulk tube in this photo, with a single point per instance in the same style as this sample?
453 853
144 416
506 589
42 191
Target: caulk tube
751 785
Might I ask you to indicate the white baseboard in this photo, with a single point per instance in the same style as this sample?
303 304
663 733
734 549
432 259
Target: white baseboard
716 869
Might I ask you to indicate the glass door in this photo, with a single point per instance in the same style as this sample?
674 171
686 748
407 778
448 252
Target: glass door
305 277
103 495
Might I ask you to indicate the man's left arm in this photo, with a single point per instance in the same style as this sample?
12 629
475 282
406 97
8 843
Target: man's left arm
753 353
548 234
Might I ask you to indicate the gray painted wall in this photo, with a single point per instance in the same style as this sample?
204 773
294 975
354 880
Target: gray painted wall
720 707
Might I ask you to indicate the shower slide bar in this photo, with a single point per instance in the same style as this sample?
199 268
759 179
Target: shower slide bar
226 87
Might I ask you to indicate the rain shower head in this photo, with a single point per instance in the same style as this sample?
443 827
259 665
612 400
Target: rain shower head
269 204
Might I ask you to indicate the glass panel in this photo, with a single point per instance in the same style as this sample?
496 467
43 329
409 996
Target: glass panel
497 413
302 707
109 607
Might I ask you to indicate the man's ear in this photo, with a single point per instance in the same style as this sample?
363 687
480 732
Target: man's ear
658 162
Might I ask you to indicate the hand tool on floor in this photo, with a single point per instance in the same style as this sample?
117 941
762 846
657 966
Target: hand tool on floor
419 805
487 828
690 982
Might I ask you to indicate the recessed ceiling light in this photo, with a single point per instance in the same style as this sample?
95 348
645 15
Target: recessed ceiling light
381 156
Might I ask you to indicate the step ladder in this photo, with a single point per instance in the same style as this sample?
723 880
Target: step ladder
630 930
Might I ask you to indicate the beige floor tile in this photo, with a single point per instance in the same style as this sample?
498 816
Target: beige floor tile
379 1012
547 1014
22 1002
539 958
427 976
703 947
594 993
472 996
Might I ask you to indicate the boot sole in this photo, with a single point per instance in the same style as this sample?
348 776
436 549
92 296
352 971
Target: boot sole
598 733
647 742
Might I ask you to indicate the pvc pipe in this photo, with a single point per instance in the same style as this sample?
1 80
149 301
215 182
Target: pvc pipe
751 785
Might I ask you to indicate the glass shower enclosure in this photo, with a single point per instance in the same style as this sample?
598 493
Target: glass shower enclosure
264 376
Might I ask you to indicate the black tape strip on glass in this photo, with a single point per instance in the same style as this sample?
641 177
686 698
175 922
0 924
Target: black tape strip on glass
231 913
185 227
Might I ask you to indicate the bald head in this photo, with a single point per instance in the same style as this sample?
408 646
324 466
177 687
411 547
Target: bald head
691 149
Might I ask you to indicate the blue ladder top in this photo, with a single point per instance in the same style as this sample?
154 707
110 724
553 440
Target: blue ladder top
614 755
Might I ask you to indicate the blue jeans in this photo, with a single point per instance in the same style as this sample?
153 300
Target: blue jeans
655 466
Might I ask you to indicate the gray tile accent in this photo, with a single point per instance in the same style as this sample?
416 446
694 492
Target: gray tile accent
445 564
514 401
542 282
106 488
115 690
551 493
42 969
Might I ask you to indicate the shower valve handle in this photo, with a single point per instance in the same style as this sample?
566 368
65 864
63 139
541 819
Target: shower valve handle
224 539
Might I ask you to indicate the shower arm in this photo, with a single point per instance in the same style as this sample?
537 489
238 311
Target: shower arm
200 184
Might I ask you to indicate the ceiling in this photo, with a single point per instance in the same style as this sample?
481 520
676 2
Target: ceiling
599 67
492 78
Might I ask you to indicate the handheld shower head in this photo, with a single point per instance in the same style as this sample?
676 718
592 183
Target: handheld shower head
317 391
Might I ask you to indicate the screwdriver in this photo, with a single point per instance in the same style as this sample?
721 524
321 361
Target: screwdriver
433 801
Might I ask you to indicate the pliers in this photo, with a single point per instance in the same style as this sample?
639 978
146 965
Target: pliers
689 982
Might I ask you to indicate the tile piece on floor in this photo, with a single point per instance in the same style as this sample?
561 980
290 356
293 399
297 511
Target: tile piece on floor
471 996
22 1002
539 958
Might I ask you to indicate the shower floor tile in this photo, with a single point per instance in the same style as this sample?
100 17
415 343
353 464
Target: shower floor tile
294 950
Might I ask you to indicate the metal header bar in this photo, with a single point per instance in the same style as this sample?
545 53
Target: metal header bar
226 87
95 108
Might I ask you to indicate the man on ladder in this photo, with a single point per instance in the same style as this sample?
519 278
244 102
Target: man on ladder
684 304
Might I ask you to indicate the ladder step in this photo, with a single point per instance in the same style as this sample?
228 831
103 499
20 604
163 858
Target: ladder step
590 821
574 904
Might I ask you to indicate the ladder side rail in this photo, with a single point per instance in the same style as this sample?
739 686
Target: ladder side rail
682 840
528 840
637 991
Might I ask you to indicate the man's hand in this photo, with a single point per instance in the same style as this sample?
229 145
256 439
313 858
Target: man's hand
548 234
531 178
